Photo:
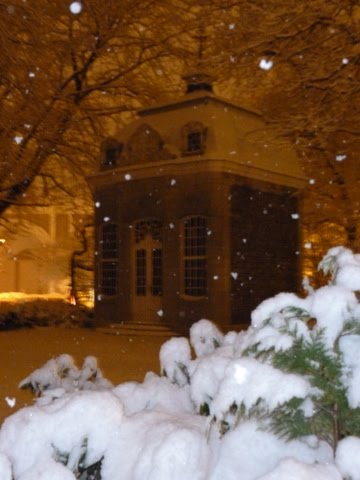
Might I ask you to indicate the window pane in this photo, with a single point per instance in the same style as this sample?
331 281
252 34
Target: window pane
157 272
194 142
109 278
109 241
109 254
195 277
141 272
148 227
111 157
195 233
195 236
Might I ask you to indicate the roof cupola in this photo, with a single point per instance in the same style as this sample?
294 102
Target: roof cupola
198 81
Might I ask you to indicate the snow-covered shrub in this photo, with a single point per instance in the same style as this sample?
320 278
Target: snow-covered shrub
249 451
280 400
175 358
205 337
29 312
158 446
5 467
207 376
13 320
283 336
290 468
348 457
154 394
297 366
74 430
60 375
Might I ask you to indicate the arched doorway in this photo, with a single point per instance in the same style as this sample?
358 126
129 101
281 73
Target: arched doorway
147 271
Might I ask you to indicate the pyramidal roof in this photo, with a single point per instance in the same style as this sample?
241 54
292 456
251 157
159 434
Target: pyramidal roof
199 89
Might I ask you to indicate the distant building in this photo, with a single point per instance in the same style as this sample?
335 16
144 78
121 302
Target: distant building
41 253
35 257
196 214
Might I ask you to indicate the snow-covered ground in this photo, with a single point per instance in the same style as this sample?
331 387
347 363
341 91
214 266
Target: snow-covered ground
280 401
121 358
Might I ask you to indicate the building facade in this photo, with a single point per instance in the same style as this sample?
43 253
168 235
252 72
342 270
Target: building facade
35 257
196 214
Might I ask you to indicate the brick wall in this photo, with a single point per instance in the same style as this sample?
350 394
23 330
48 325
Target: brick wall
264 256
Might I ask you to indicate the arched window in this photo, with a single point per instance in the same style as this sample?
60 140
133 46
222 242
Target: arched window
194 138
194 256
111 152
109 259
111 156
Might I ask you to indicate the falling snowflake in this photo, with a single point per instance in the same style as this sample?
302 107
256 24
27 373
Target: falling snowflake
97 204
173 181
160 313
234 275
106 219
127 176
75 8
312 181
11 401
266 64
18 139
340 158
308 245
295 216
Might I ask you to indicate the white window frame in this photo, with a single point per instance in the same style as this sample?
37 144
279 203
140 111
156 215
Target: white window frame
194 251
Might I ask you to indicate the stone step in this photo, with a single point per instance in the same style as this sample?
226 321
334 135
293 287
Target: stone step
155 329
138 329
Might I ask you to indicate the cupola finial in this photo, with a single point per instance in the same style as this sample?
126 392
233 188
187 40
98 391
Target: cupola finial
198 78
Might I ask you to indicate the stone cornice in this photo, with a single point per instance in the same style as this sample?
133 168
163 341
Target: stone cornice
191 166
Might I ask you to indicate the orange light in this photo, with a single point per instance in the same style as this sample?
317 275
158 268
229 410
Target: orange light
72 300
